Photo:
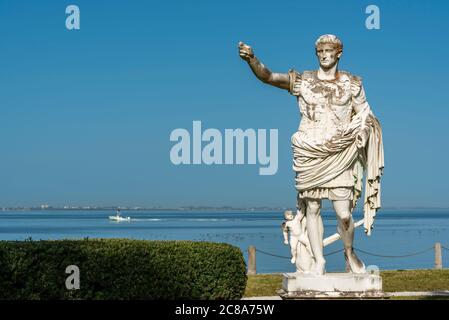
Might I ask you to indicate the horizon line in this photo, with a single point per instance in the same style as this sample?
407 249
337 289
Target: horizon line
196 207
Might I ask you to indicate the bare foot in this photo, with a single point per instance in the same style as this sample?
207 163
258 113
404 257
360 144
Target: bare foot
354 262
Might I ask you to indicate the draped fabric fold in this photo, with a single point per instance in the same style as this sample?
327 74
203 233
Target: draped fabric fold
317 163
374 165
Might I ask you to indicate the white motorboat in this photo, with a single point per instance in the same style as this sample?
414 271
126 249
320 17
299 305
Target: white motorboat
117 217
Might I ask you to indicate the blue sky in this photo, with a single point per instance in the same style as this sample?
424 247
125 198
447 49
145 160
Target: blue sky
86 115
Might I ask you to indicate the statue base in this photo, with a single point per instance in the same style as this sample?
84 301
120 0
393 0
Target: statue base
331 286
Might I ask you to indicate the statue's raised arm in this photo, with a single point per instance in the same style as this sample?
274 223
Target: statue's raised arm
280 80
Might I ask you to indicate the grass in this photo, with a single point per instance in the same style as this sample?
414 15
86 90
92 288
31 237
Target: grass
263 285
415 280
393 281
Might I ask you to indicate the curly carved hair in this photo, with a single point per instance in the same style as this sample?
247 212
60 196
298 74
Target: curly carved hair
329 39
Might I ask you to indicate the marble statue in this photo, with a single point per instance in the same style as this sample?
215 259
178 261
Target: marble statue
299 241
339 140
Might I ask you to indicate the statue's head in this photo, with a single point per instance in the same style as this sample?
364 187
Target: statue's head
328 49
288 215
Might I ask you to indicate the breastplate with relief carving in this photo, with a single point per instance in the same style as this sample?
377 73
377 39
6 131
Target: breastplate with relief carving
325 106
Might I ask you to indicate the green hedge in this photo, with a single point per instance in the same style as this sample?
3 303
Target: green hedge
121 269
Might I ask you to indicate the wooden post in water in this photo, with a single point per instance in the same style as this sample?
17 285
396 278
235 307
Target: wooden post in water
438 258
251 260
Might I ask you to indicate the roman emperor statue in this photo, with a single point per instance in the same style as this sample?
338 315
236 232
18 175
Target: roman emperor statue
338 142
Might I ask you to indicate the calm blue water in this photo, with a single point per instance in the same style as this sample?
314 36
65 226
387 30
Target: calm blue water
395 232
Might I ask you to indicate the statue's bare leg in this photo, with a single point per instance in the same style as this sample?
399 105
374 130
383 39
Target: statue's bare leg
305 263
315 233
346 230
294 241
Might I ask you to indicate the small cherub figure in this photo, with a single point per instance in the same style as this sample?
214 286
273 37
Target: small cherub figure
298 235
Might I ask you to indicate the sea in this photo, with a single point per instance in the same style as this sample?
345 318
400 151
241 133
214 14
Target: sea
401 239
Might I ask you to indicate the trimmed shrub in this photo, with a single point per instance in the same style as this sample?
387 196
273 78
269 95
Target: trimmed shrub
121 269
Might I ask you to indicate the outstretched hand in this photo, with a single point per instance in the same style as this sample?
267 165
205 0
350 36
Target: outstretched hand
245 51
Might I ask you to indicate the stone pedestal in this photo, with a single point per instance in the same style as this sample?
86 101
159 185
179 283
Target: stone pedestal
331 285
